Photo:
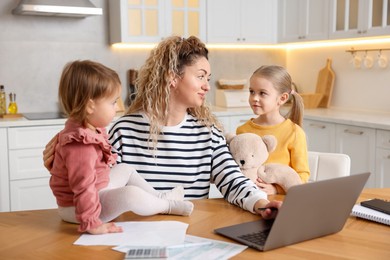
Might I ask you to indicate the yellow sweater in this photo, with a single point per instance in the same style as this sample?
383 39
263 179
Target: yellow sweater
291 146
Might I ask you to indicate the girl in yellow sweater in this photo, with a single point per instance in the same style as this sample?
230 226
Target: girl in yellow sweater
269 89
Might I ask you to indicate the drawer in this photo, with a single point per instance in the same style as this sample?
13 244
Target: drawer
31 137
26 164
32 195
383 139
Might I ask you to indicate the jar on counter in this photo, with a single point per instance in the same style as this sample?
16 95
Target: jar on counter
3 100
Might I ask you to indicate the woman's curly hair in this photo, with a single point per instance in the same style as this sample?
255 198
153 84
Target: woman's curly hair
153 83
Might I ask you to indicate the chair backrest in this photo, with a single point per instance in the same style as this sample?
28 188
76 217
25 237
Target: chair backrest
328 165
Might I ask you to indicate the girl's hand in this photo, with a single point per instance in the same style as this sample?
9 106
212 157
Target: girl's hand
105 228
48 153
268 188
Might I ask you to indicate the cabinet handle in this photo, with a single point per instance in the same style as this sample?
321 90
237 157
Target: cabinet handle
318 126
348 131
388 157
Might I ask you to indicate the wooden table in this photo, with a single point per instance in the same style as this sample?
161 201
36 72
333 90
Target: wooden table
41 234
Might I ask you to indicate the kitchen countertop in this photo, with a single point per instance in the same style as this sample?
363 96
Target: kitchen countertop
371 119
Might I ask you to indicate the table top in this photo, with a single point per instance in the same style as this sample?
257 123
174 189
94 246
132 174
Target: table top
41 234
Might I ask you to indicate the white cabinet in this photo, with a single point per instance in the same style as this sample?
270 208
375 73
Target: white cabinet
232 121
149 21
359 18
4 176
320 135
382 166
359 144
241 21
28 178
303 20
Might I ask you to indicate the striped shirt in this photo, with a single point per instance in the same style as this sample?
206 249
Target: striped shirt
188 154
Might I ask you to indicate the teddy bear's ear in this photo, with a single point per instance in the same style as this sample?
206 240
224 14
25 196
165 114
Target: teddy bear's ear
229 137
270 141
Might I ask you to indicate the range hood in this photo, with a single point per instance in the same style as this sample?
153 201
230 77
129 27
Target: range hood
64 8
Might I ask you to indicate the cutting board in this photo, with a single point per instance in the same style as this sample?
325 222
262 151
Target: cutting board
325 82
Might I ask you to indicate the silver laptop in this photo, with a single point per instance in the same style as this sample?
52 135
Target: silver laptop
309 211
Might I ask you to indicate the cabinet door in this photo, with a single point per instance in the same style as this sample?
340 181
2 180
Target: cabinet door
31 194
4 176
186 18
223 21
359 18
382 166
303 20
320 135
241 21
136 21
359 144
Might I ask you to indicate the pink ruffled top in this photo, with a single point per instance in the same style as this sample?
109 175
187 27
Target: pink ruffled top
81 168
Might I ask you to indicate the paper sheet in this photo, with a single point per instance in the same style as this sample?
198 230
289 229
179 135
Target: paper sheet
140 233
203 248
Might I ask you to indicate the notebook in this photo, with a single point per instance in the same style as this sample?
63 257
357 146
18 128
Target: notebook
377 204
370 214
309 211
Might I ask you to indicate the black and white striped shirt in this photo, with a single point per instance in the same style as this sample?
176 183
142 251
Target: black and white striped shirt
188 154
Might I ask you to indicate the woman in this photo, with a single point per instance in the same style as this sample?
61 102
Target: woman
171 137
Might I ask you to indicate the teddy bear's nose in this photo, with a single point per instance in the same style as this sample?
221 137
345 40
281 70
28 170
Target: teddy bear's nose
242 162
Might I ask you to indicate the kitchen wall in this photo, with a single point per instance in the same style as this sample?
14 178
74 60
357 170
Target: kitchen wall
357 89
33 51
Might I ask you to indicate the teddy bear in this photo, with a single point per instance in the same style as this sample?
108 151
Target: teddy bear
250 151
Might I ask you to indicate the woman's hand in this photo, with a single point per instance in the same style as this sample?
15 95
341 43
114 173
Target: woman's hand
48 153
268 188
268 209
105 228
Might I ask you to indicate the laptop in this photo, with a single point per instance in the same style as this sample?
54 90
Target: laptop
309 211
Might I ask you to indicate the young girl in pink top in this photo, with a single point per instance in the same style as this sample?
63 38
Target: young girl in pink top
89 188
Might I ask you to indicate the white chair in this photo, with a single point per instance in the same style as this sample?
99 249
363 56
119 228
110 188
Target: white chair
328 165
322 166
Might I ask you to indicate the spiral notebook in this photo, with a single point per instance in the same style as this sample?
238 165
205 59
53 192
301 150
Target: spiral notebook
370 214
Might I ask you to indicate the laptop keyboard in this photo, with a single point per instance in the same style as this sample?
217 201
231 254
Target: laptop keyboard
257 238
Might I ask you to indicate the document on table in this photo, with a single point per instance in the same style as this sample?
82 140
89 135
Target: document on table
140 233
198 248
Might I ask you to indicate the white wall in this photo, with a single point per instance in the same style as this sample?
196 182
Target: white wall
362 89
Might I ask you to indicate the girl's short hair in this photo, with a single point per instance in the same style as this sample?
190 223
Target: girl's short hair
82 81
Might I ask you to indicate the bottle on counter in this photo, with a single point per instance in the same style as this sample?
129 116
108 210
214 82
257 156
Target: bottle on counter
12 107
3 100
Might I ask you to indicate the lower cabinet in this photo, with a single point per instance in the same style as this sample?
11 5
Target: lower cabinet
358 142
28 178
231 122
382 165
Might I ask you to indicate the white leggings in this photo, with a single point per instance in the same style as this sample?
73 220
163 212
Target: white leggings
126 191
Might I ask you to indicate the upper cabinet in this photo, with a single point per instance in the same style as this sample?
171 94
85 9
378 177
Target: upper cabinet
303 20
149 21
241 21
359 18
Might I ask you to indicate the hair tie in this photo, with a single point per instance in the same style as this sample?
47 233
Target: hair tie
292 92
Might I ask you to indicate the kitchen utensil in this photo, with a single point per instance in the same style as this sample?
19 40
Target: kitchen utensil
311 100
325 83
356 61
368 61
382 61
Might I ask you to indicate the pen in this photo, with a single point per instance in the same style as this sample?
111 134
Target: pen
271 208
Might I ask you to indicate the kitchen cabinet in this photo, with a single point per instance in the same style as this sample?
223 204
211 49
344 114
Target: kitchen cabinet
359 18
241 21
357 142
382 165
28 178
231 118
303 20
320 135
149 21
